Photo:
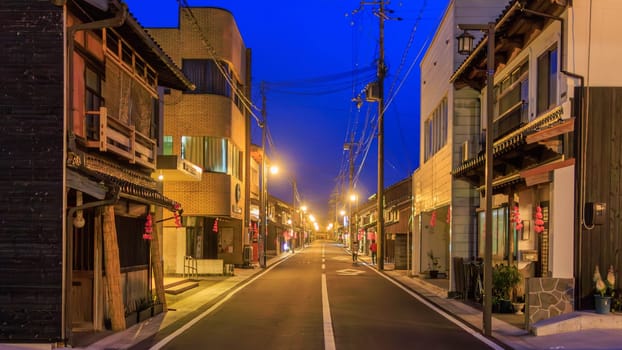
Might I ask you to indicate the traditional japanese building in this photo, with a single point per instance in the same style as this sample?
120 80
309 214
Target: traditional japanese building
80 110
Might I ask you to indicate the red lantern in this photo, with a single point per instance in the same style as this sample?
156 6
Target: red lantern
148 228
517 220
433 219
215 227
539 223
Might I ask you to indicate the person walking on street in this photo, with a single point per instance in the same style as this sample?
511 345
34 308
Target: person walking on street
355 251
373 248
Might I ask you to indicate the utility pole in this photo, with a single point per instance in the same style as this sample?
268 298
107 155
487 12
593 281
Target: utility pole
263 215
380 199
350 148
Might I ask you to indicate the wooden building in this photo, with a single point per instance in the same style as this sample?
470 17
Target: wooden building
79 138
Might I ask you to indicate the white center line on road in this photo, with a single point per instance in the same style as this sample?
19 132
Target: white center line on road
329 336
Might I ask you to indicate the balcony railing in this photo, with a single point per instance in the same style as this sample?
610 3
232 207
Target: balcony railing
107 134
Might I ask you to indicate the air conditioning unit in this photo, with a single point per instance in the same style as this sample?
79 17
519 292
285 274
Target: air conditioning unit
372 92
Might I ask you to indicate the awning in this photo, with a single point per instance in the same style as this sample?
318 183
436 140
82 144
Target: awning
92 174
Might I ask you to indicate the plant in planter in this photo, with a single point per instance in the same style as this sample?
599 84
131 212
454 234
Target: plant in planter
433 264
505 278
143 306
605 290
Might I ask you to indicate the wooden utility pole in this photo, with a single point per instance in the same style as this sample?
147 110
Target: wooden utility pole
380 199
113 270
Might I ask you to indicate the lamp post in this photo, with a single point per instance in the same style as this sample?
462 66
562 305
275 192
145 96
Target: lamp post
465 46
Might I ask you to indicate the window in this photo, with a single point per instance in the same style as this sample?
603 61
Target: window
512 101
167 145
236 161
435 130
213 154
93 99
547 80
207 76
210 153
500 223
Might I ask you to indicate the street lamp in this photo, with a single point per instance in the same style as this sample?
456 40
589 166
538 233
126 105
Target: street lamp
465 46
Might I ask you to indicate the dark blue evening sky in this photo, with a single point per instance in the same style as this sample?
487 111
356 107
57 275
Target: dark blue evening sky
307 53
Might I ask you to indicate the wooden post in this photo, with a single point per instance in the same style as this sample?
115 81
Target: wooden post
157 266
113 270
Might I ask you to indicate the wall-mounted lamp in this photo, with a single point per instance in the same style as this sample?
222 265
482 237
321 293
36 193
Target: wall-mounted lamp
465 43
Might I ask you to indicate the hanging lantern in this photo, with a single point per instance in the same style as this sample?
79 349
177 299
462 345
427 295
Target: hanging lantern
148 228
433 219
517 219
539 223
215 227
177 215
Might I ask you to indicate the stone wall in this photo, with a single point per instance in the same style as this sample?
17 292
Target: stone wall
547 297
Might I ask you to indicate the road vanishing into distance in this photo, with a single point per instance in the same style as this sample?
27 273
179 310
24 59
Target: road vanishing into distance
318 298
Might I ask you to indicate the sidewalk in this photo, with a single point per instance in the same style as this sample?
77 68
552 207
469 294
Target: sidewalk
181 309
507 334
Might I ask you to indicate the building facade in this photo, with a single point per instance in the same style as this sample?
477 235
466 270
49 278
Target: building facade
81 259
555 184
444 206
210 127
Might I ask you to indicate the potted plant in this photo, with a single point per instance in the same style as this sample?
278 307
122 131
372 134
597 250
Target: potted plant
505 278
604 290
433 264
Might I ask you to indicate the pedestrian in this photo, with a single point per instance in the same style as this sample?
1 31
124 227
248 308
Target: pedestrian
373 248
355 251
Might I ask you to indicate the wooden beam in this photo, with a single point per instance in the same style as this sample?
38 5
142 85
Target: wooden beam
546 168
158 266
559 129
113 271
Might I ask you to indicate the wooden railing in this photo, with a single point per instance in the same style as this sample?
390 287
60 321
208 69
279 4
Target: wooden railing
110 135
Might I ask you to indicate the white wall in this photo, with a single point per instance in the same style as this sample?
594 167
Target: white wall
594 39
562 220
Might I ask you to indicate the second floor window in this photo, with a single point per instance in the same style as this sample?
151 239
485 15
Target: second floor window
512 101
435 130
213 154
547 80
210 153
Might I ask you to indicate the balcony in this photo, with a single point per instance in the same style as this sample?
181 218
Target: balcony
107 134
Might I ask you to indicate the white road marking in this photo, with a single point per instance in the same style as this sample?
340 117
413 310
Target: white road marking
349 272
329 336
323 266
170 337
438 310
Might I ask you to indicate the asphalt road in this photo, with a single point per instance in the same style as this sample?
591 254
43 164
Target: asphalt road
319 299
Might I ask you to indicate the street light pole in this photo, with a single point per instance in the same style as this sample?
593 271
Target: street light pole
263 235
490 29
380 198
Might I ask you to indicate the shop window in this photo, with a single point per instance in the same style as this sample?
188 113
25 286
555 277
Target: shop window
500 224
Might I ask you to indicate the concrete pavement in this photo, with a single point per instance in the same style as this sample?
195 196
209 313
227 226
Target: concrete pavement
580 331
